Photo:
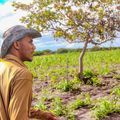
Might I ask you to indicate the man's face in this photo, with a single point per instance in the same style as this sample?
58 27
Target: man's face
26 48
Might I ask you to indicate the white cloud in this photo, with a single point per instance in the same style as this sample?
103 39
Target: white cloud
9 17
74 45
7 8
10 21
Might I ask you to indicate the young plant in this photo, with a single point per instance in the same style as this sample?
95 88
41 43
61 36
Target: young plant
88 74
81 101
70 115
96 81
106 69
65 85
104 107
41 105
57 107
91 78
116 91
117 76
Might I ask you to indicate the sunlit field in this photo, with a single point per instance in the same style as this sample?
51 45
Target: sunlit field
56 87
101 62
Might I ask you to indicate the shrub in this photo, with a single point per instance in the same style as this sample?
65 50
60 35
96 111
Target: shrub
105 107
57 107
65 85
81 101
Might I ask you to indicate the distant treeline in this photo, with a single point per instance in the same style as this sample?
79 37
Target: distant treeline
64 50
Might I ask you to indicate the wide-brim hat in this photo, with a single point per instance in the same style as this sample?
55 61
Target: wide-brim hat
16 33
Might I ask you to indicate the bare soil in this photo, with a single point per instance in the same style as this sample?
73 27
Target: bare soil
83 113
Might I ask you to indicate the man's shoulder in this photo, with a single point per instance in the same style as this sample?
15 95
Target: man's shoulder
7 66
10 65
24 72
18 71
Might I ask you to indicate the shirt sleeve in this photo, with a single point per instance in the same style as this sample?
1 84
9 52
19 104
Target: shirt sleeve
20 100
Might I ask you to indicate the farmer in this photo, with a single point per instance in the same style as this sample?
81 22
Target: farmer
15 78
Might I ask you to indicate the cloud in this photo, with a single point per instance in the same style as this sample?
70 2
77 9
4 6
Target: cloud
48 42
7 8
8 18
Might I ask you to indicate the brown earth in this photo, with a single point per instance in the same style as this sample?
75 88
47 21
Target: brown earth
83 113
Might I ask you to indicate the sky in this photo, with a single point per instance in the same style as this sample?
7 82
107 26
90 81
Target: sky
2 1
8 18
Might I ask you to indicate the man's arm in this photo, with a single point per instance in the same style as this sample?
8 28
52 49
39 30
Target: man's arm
20 100
3 115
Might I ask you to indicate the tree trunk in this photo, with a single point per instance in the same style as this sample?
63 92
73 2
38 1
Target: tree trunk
80 72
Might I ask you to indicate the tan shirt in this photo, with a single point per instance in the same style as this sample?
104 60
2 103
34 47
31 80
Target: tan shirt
15 89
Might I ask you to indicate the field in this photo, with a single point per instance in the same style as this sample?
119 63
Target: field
56 87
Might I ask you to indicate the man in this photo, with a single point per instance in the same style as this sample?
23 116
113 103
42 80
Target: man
15 78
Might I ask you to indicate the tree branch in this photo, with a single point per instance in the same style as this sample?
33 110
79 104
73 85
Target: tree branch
99 43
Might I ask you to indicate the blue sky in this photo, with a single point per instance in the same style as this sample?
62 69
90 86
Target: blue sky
2 1
10 18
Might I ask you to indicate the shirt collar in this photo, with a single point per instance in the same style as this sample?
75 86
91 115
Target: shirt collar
14 59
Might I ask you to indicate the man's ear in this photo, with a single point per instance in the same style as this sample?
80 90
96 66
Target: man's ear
16 45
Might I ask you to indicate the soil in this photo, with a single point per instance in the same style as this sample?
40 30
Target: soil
83 113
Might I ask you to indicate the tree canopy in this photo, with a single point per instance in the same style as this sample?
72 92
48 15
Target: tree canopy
75 20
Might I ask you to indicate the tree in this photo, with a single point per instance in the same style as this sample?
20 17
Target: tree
88 21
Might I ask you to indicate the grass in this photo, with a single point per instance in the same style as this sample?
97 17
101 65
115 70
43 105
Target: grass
105 107
81 101
116 91
57 107
65 85
60 72
57 64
